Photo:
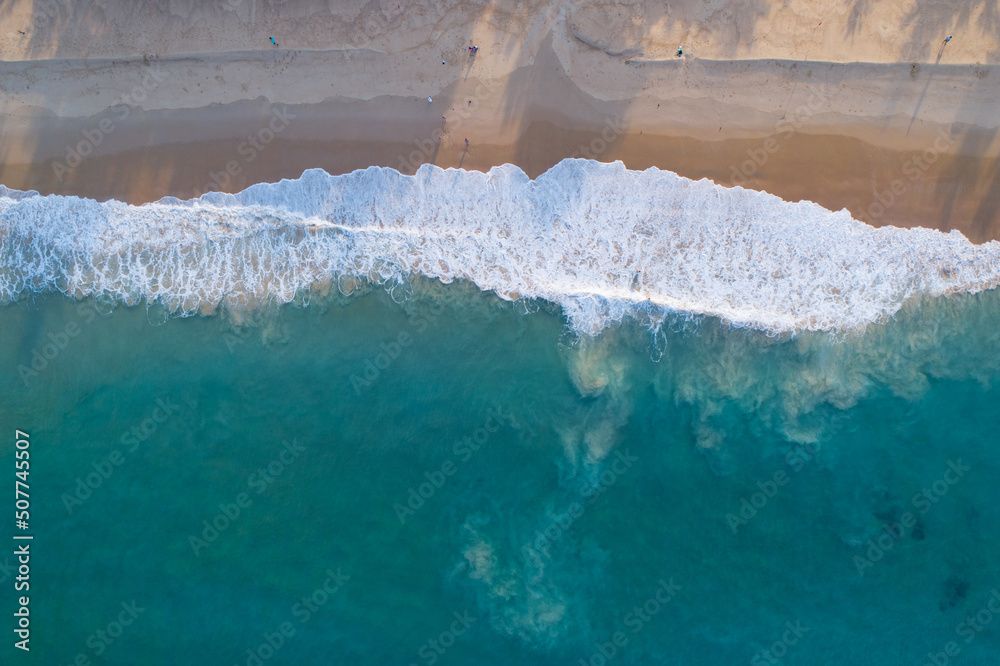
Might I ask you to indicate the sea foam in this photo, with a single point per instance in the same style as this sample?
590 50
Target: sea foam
601 241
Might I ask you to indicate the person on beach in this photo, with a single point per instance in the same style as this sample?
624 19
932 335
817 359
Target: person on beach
272 41
947 39
680 52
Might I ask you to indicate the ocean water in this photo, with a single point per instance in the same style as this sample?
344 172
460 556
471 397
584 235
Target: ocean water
605 416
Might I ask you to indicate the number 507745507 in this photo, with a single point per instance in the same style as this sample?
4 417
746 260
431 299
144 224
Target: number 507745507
21 496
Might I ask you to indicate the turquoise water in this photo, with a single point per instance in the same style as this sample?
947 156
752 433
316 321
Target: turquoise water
565 488
599 417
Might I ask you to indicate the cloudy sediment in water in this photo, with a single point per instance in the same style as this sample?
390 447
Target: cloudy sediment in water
603 416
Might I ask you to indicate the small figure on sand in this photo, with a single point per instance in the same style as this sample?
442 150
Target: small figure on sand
680 52
947 39
466 142
272 41
473 49
430 100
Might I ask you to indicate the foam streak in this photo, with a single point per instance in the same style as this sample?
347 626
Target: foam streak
601 241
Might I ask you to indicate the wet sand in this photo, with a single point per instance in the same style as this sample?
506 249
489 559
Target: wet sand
803 101
184 153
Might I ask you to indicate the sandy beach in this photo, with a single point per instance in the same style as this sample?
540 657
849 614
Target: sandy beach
858 106
673 401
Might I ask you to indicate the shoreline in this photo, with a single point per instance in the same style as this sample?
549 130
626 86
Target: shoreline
183 153
873 123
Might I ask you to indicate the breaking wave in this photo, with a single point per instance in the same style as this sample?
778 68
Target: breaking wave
601 241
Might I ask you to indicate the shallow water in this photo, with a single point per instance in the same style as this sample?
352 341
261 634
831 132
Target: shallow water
602 242
560 484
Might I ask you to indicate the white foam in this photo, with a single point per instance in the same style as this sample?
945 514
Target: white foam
601 241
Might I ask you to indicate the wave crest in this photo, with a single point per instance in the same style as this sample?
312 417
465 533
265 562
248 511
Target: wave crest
599 240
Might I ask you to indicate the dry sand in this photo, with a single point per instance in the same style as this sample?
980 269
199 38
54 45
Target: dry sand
857 104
